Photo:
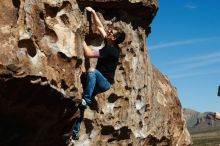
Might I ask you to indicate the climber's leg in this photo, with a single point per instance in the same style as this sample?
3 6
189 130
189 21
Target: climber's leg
76 128
95 81
90 85
101 82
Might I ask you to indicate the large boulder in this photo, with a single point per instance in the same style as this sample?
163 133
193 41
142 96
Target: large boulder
41 75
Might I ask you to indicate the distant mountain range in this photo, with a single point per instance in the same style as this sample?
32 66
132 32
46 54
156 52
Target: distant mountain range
197 121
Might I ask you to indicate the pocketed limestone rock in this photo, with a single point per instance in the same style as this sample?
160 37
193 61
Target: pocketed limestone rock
41 75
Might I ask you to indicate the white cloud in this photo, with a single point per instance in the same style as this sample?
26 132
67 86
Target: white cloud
193 63
191 6
194 66
205 57
185 75
183 42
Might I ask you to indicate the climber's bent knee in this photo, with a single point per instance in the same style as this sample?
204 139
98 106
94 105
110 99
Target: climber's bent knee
91 70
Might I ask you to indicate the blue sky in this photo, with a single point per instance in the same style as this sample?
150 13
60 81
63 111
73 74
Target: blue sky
185 46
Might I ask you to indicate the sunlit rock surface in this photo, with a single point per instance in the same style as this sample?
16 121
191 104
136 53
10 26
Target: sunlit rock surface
42 66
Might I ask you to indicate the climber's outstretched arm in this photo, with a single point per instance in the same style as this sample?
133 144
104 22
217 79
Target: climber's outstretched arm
97 21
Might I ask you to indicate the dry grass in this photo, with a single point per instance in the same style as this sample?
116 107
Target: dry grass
206 138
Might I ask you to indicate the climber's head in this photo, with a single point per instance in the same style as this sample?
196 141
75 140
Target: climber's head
115 35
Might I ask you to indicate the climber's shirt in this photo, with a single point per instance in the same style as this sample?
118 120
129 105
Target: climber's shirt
107 62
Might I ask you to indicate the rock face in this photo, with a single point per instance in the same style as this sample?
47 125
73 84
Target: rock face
42 66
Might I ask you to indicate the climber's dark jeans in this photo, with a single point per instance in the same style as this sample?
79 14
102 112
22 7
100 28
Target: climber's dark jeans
95 84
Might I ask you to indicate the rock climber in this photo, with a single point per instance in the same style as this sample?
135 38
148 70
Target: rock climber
101 78
217 115
214 115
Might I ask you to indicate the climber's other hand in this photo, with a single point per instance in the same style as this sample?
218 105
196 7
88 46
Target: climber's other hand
89 9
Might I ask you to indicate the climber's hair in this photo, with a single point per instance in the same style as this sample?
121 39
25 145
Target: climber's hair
119 35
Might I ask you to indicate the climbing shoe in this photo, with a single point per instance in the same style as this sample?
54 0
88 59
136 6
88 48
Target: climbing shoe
83 104
75 136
